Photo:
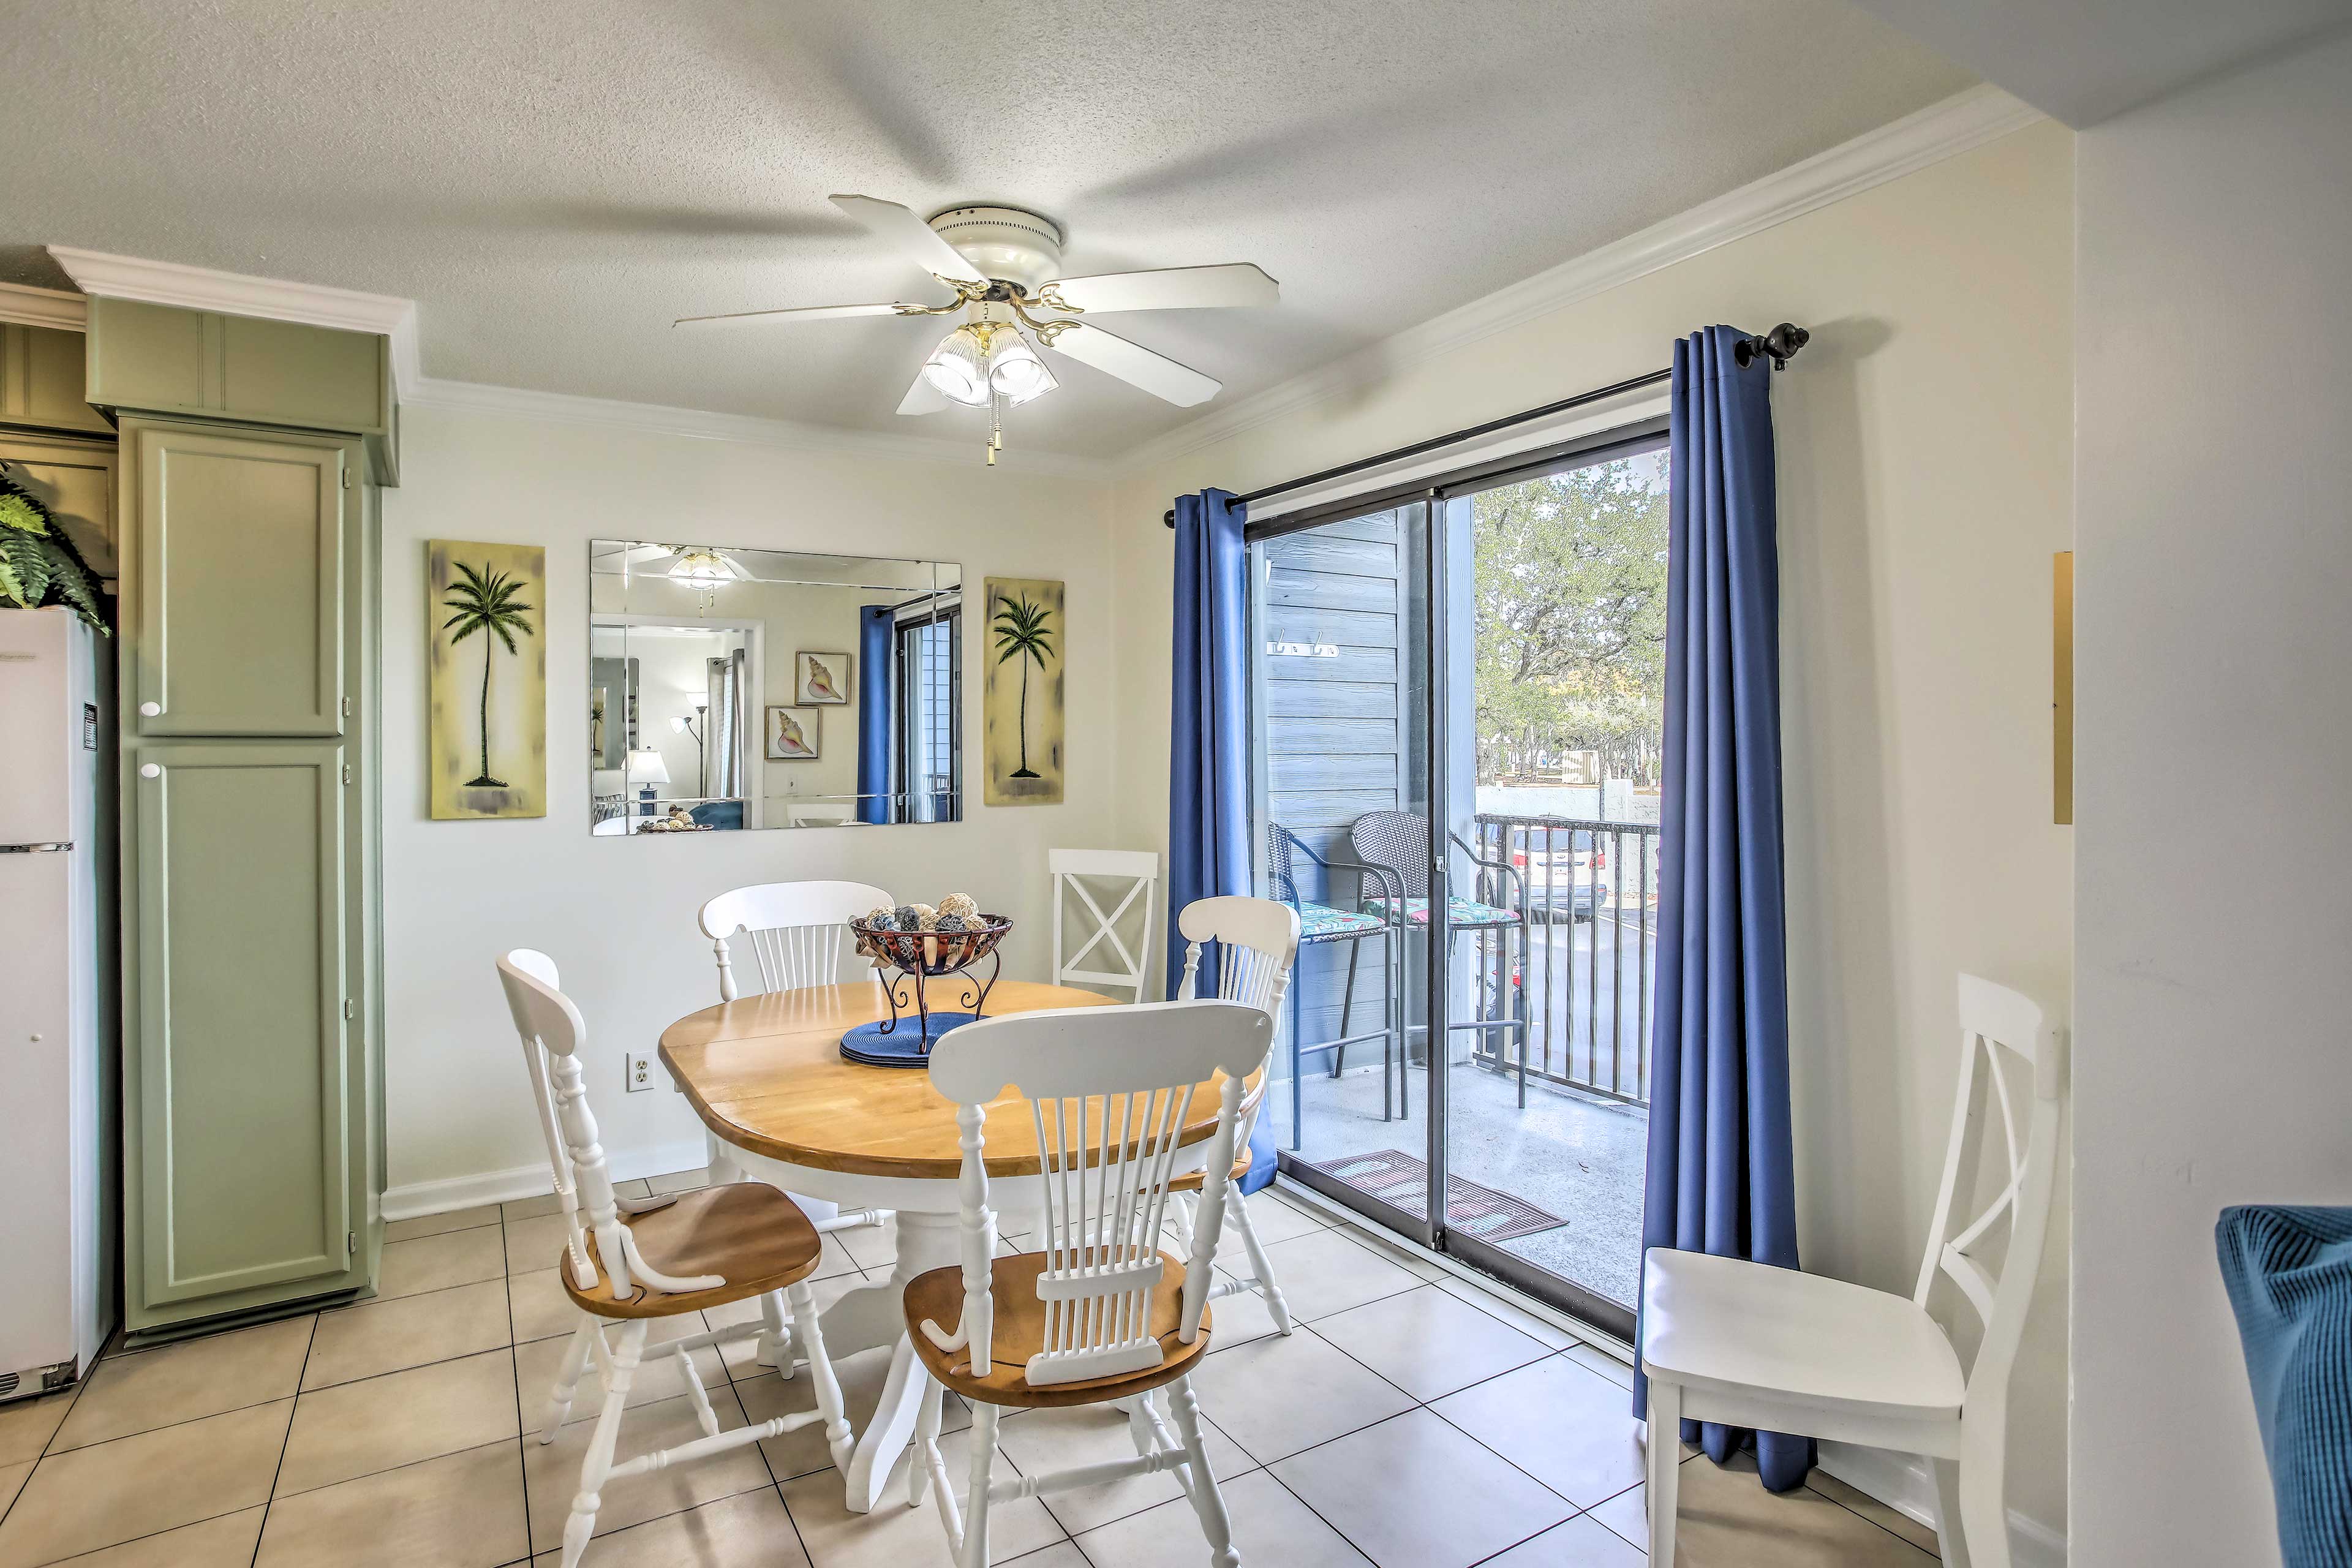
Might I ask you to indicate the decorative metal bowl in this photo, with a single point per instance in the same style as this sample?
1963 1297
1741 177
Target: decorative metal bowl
909 963
931 952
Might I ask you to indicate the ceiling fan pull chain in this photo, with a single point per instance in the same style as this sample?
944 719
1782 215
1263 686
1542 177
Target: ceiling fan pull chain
995 426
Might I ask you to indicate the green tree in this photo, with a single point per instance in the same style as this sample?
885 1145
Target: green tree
1571 616
492 605
1022 634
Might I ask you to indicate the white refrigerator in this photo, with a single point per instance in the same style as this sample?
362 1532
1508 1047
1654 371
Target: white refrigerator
60 1062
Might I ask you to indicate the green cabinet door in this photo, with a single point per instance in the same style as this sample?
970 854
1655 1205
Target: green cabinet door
240 1119
238 601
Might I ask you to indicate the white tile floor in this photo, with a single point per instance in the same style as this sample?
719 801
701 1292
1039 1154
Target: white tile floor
1411 1421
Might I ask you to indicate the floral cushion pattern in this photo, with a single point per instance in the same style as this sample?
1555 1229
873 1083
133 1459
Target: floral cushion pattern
1321 923
1459 912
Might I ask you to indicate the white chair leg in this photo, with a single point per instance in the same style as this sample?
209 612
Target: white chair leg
1207 1501
775 1336
1664 1468
1952 1538
598 1464
810 1338
1984 1507
567 1379
975 1507
927 1436
1180 1214
1237 1215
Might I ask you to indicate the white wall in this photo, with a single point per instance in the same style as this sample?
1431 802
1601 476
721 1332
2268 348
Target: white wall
2214 638
618 914
1925 453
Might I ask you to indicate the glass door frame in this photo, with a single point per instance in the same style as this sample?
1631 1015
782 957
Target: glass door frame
1438 497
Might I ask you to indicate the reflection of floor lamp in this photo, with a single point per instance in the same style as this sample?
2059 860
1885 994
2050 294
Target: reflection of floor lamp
682 726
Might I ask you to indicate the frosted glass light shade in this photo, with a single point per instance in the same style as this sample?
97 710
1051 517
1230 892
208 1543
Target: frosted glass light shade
958 368
1016 372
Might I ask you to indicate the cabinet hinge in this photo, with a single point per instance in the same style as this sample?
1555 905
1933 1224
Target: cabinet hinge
347 707
347 478
347 773
350 1244
351 1009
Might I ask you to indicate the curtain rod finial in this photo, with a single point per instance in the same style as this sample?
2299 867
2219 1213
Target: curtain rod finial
1780 344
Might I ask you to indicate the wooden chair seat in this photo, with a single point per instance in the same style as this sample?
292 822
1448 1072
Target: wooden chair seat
1193 1181
748 1233
1020 1333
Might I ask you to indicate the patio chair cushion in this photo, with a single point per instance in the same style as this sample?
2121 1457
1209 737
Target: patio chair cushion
1460 912
1321 923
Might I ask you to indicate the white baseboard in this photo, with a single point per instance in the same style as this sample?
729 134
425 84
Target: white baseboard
1901 1481
452 1193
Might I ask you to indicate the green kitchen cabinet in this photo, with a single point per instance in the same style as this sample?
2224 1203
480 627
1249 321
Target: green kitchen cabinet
166 359
247 1175
241 580
252 942
41 381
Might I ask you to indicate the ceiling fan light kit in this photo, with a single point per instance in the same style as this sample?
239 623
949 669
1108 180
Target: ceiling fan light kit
1005 265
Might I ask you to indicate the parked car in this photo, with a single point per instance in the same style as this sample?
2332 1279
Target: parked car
1570 878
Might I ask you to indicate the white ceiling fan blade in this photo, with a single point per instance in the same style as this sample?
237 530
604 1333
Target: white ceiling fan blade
1155 373
915 238
1171 289
784 318
923 397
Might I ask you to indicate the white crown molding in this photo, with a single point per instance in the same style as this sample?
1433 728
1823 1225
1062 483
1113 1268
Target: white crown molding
477 397
30 307
1965 121
238 294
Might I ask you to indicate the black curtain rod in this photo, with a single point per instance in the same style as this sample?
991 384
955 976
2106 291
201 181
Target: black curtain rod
1780 345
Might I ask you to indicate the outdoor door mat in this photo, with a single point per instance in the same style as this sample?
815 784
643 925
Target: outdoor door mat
1401 1181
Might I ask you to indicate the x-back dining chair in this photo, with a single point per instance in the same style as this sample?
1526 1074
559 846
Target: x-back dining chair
627 1262
1103 1315
1073 869
797 935
1257 944
1726 1340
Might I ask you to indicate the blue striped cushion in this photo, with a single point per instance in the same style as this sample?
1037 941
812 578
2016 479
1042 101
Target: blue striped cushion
2289 1272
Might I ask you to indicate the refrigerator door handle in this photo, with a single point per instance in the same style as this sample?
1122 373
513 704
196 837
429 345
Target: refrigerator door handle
36 848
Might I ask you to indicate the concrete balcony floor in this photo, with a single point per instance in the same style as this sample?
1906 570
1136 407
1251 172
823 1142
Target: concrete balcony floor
1568 1154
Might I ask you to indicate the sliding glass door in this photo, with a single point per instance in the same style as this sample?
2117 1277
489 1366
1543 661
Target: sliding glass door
1457 702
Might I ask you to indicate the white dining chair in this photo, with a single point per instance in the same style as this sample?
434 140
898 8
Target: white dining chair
1779 1350
796 933
629 1262
1132 874
1257 944
1102 1315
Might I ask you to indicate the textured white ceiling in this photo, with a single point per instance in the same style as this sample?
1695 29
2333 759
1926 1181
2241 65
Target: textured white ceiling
2080 61
554 184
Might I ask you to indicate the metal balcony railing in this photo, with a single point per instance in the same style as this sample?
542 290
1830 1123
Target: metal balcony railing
1591 890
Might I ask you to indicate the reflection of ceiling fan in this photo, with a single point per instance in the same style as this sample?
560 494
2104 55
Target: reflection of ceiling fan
1002 264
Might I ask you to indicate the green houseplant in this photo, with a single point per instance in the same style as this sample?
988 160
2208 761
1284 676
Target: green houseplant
38 564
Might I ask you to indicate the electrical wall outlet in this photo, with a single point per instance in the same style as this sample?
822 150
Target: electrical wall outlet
641 1070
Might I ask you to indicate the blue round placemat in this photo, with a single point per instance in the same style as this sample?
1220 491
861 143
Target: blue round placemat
903 1047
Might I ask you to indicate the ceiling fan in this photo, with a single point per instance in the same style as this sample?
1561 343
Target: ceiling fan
1003 265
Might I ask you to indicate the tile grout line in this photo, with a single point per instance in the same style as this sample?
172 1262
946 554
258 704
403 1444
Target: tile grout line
522 1434
285 1441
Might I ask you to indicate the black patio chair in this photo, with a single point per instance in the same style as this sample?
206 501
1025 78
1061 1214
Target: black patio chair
1325 923
1399 842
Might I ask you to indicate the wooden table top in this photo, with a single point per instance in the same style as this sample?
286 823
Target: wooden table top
766 1073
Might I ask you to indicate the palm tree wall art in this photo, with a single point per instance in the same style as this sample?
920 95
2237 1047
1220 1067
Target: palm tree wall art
488 720
1025 738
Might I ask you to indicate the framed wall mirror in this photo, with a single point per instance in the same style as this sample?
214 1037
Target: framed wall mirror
736 689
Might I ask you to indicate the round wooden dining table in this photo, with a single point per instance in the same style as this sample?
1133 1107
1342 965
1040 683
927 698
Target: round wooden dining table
782 1104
